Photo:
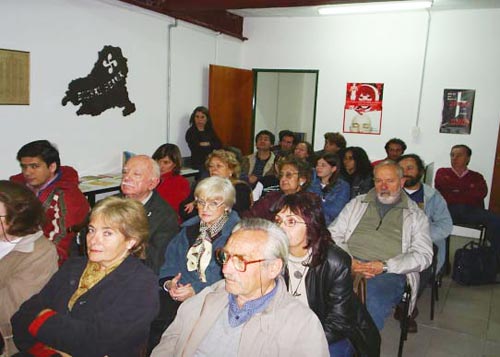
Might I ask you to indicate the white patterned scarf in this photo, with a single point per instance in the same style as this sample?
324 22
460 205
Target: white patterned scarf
199 255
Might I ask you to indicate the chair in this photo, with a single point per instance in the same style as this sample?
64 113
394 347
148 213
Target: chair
406 299
435 280
359 287
482 236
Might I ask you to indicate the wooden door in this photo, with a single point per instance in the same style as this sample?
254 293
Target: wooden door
495 183
230 103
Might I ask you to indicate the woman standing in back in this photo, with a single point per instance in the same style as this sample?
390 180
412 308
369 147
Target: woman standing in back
201 137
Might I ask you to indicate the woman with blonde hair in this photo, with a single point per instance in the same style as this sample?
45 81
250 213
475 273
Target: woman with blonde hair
100 305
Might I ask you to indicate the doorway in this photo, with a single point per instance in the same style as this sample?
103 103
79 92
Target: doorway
285 99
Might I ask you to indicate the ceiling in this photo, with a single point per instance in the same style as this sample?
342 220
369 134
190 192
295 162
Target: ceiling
227 16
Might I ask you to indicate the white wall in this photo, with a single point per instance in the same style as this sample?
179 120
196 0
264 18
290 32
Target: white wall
389 48
64 37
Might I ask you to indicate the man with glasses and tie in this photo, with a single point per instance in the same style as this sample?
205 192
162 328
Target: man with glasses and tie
249 312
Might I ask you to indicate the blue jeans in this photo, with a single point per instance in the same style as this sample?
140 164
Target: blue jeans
341 348
383 292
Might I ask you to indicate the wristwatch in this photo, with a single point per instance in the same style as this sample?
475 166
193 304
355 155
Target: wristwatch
384 267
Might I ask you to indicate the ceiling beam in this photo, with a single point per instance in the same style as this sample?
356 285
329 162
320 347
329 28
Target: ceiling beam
218 20
211 5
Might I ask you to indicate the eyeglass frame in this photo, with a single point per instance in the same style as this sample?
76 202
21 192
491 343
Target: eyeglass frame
288 175
218 251
206 205
279 221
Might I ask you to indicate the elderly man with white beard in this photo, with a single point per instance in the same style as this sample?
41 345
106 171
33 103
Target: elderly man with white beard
141 175
387 235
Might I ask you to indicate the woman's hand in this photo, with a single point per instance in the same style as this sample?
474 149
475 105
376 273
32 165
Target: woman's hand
188 208
179 292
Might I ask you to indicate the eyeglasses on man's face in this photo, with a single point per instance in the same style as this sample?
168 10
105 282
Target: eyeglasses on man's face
239 263
287 222
208 205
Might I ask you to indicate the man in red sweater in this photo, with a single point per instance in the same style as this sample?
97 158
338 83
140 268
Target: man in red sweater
56 187
464 190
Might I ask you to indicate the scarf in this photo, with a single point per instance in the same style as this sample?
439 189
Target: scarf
199 255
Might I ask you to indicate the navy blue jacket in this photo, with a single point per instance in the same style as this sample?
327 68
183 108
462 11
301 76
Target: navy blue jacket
111 319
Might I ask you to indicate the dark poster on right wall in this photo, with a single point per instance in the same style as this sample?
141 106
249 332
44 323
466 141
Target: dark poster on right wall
458 105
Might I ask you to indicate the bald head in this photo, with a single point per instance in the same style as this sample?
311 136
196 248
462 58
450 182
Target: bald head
141 175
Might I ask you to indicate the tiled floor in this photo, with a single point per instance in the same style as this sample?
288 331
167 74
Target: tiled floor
466 322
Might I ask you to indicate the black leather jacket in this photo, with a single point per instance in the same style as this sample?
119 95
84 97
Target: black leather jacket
330 295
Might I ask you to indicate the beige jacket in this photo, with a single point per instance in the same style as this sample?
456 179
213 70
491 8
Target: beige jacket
285 328
248 164
24 272
416 244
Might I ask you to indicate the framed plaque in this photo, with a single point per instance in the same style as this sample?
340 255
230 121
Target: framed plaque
14 77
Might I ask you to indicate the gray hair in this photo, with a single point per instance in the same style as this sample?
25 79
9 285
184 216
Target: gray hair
389 163
216 187
277 240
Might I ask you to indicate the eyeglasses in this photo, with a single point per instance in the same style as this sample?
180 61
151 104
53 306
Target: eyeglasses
239 263
288 175
288 222
208 205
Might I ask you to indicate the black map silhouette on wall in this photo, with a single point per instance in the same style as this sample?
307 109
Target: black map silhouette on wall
104 88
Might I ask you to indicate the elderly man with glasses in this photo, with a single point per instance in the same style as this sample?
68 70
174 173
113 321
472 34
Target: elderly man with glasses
249 312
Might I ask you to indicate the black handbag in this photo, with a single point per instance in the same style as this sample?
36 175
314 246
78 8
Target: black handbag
475 264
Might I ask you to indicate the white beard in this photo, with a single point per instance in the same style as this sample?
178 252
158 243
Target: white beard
388 198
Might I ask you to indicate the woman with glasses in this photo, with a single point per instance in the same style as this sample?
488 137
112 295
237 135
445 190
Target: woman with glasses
357 170
27 258
99 305
190 263
327 184
318 274
294 176
173 187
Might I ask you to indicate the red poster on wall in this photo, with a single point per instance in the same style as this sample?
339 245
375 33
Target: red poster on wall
363 108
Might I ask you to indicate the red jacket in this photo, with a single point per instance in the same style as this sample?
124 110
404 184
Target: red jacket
65 206
469 190
174 189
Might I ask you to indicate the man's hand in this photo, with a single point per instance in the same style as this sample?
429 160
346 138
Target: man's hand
189 207
367 269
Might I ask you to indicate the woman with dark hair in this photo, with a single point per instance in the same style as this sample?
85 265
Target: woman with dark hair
319 275
327 184
294 176
357 170
27 258
173 187
99 305
304 151
201 137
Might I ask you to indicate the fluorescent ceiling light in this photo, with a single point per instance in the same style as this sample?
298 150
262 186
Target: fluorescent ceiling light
372 7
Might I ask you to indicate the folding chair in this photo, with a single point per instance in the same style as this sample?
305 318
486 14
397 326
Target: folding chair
404 321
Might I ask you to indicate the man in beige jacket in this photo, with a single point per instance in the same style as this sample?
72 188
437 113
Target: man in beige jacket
250 312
